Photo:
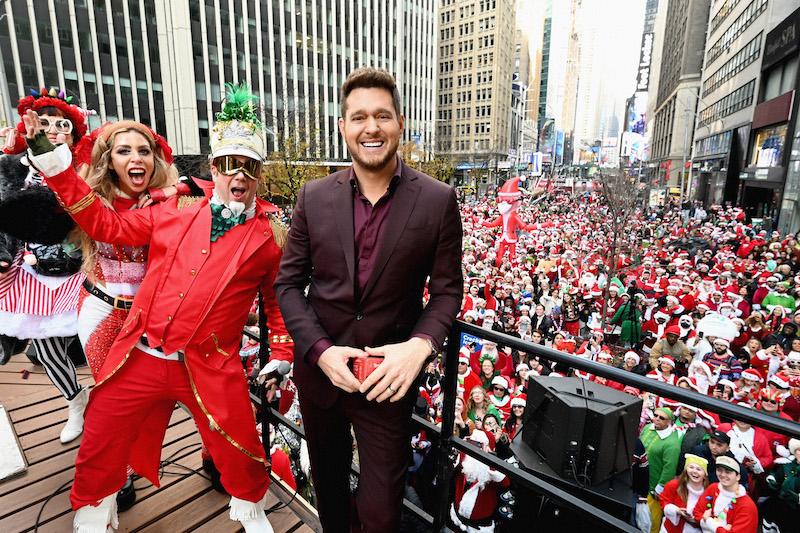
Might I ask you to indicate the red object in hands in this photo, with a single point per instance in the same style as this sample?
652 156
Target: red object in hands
364 366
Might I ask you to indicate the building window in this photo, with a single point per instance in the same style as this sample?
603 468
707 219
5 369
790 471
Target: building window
746 56
738 26
738 99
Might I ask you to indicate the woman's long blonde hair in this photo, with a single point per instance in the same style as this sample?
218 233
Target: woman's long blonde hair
100 176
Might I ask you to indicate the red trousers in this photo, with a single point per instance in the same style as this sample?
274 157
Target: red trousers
140 398
504 246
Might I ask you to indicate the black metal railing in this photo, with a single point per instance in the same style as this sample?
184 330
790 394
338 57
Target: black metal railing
448 443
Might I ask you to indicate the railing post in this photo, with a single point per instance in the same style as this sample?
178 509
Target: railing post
263 357
444 467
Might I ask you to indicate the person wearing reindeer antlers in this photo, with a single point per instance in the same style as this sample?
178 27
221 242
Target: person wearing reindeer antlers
208 257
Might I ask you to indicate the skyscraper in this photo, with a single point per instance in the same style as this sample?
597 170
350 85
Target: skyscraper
166 62
681 61
476 64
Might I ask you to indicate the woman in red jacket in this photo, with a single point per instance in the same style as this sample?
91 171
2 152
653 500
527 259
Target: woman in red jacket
682 494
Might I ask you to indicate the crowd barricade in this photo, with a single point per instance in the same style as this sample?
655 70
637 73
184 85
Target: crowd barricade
524 480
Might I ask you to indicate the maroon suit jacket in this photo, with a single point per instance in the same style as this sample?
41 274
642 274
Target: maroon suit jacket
421 239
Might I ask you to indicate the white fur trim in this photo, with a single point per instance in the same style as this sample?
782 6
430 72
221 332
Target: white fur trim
52 163
244 510
97 518
25 326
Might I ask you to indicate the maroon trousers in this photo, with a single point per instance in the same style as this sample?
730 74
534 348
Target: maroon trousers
383 434
141 398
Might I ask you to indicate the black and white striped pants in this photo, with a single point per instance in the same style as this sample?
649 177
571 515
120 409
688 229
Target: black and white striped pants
52 354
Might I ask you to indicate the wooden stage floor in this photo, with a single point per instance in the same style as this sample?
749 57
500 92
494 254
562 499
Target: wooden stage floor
185 501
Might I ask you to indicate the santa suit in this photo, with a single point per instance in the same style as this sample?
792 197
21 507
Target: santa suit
477 491
192 303
510 222
751 443
467 382
503 405
742 516
671 501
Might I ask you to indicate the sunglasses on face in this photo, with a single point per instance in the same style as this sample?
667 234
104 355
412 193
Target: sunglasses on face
59 125
230 166
767 400
661 417
499 388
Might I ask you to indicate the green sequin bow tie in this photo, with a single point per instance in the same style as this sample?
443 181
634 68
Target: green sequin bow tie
223 220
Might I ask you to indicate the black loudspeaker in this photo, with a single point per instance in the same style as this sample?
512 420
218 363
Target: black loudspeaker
584 431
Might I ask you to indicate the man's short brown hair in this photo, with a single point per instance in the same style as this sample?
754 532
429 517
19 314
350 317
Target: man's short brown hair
368 78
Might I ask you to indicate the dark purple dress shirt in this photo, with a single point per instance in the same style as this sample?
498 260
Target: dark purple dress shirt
368 225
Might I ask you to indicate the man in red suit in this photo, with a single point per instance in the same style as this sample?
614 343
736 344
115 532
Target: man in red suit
365 242
209 255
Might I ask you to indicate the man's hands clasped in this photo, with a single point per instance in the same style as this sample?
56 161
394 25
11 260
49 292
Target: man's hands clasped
391 380
401 365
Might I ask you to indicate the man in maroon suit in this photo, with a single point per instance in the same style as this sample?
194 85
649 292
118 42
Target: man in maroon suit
365 241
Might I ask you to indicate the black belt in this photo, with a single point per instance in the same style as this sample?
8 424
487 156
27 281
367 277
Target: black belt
143 340
114 301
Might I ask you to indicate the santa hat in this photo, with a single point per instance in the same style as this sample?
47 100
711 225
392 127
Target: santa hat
794 445
632 355
725 342
727 383
707 419
521 367
667 359
472 314
509 192
482 437
520 399
690 382
752 374
780 380
500 381
598 331
604 356
463 355
674 330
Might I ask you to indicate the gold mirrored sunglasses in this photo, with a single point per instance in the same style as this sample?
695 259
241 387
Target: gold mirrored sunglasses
230 165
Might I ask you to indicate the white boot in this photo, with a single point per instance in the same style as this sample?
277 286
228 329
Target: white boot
251 515
101 518
74 426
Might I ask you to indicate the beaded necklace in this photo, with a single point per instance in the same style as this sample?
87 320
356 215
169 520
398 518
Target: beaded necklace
724 514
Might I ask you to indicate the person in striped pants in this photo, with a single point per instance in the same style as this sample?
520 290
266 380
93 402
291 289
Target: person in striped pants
39 287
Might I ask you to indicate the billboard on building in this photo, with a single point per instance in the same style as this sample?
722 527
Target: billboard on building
645 57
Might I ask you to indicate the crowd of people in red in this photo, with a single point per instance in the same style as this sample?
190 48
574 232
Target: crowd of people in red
698 299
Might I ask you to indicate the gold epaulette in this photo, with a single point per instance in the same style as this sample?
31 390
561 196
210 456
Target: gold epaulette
186 201
280 339
279 231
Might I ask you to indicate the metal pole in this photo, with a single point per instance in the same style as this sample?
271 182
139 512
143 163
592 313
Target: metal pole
263 357
5 97
444 466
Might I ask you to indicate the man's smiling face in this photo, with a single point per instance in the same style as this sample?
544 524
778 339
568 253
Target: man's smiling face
371 127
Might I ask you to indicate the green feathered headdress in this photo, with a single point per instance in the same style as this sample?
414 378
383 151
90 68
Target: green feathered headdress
239 104
238 130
